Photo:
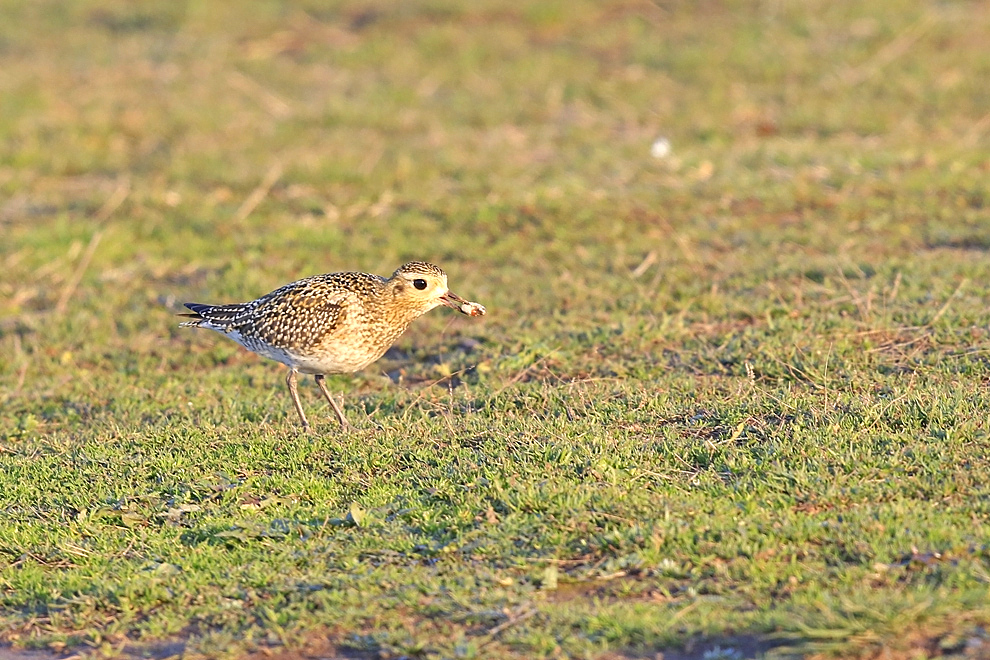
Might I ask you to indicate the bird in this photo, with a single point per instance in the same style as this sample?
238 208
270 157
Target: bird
331 323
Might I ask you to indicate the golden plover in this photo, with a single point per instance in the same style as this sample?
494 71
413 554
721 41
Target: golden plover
333 323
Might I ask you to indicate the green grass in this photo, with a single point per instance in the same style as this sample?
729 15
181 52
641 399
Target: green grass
735 396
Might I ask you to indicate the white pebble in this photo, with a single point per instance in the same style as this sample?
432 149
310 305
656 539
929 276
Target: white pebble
661 148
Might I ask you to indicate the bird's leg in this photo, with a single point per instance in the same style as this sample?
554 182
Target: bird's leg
290 380
333 404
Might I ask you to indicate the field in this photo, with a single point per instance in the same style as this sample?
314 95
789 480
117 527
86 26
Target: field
730 397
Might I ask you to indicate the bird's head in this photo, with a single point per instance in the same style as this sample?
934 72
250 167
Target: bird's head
422 286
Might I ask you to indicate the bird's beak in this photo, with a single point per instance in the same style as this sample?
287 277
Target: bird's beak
451 299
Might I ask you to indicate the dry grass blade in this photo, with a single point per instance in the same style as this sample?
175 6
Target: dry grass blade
945 307
508 623
113 202
896 48
274 104
259 193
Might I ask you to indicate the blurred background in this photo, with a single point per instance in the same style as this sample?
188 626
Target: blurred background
611 179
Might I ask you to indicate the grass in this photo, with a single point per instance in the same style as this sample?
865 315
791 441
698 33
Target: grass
734 397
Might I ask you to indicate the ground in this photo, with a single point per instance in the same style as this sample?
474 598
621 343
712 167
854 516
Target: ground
729 399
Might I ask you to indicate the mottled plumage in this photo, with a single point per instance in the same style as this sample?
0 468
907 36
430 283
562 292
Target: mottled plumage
333 323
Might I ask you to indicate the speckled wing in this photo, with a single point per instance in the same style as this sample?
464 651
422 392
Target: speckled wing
292 317
298 317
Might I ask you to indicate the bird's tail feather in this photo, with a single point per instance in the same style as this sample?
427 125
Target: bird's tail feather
214 315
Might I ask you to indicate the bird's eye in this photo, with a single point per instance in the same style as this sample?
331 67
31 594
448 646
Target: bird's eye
419 284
